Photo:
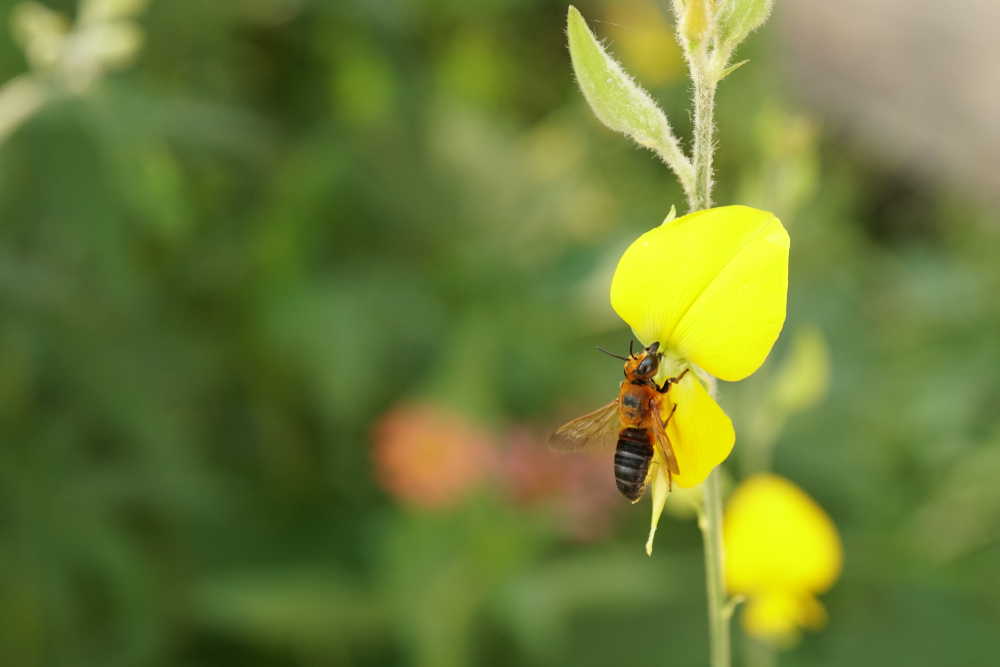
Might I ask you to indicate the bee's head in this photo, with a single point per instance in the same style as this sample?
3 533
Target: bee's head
643 366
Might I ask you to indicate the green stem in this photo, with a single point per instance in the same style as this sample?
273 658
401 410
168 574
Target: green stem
711 528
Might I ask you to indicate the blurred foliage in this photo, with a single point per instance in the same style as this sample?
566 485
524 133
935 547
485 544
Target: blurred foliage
219 269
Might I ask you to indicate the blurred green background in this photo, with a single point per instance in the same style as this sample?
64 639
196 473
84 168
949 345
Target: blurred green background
297 233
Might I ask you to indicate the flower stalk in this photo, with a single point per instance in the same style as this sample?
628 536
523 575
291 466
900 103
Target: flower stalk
710 520
706 72
719 610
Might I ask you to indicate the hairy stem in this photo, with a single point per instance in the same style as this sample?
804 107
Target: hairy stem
704 131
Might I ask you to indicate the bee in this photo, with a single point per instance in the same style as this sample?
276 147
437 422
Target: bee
638 428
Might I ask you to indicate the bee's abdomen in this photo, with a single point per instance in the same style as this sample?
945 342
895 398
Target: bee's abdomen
632 458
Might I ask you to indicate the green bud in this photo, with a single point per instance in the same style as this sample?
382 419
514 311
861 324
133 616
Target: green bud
615 98
738 18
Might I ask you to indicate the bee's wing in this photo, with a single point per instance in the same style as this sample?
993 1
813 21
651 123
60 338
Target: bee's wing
588 433
663 442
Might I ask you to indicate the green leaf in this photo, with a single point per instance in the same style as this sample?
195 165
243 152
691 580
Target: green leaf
615 98
738 18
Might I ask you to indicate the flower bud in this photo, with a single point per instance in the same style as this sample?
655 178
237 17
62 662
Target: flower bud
696 23
615 98
738 18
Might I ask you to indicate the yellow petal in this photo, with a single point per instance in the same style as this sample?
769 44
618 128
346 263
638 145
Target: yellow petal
700 432
777 538
710 286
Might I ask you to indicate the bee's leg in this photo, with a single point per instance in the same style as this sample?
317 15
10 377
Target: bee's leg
670 415
669 381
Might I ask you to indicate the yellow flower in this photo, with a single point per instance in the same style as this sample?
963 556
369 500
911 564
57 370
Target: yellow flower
782 550
710 287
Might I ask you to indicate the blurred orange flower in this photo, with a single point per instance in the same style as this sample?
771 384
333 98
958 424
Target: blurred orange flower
575 488
430 458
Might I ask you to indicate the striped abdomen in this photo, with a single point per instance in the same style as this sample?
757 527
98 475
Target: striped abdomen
632 458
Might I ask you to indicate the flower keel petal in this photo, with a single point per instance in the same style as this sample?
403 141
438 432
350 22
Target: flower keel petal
661 489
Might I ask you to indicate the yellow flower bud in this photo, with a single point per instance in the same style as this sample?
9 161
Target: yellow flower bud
782 550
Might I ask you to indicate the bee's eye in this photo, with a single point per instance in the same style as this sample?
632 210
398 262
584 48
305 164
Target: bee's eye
646 366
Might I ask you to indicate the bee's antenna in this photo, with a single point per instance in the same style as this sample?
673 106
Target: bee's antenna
630 343
611 354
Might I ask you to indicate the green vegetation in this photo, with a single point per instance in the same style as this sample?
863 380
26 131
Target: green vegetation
221 268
